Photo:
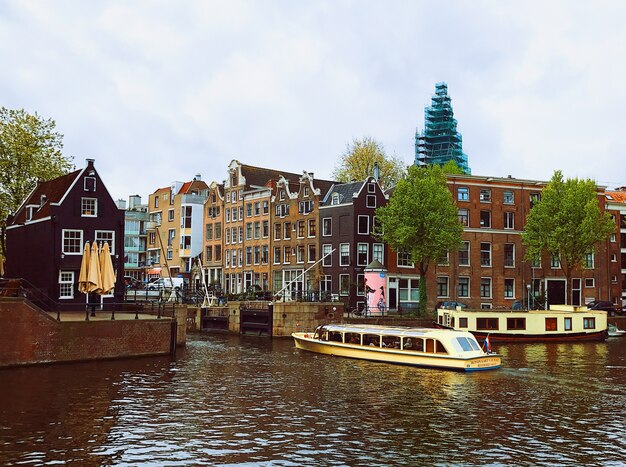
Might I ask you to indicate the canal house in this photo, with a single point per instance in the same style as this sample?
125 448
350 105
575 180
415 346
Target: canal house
46 236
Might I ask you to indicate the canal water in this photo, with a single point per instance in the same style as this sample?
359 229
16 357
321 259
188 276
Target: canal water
230 400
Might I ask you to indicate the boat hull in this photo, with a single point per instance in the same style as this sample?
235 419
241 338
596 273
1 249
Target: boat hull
396 356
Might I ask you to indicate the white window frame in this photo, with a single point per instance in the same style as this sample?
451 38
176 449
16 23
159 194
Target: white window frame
83 207
68 279
403 262
328 260
512 296
490 287
358 224
81 244
330 230
382 252
367 253
370 201
343 246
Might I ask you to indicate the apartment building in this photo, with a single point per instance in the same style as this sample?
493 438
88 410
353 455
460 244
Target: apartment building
175 230
135 219
348 219
616 205
490 269
295 233
213 239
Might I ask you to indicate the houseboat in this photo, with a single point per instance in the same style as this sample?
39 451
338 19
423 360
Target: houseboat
424 347
559 323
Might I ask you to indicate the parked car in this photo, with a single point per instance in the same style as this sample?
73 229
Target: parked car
132 283
611 308
166 283
450 305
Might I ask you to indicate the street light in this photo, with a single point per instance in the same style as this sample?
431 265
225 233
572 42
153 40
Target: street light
528 294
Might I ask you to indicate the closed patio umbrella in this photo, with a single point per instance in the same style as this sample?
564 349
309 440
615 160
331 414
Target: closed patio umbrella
94 276
83 276
106 270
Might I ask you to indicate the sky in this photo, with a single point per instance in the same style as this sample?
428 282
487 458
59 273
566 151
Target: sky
159 91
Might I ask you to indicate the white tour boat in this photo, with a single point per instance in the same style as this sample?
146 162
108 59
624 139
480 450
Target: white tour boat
614 331
558 324
426 347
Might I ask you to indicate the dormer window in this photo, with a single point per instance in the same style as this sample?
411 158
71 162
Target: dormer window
42 200
281 195
88 207
306 191
334 200
30 210
89 184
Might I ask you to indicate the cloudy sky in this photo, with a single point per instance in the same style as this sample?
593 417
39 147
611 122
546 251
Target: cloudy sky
160 91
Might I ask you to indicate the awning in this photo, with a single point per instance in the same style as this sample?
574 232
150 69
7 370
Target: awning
154 271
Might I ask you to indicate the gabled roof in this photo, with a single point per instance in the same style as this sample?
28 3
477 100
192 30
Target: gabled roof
260 176
54 191
345 191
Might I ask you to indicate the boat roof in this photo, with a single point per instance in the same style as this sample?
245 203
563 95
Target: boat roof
403 331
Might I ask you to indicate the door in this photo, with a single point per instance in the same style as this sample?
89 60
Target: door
556 292
393 294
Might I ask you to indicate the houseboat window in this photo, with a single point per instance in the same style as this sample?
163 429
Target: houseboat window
462 322
66 284
487 323
72 241
335 337
352 338
434 346
464 342
372 340
88 207
550 324
516 323
391 342
567 324
589 323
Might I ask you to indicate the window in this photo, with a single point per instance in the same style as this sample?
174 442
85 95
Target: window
328 259
589 323
171 235
88 207
462 322
535 263
170 215
300 229
227 211
613 238
588 261
613 258
442 286
312 253
485 219
508 197
185 221
305 207
89 184
362 254
170 253
218 252
485 287
344 254
589 282
485 254
487 324
266 207
567 324
327 227
209 231
228 197
227 235
266 229
300 254
551 324
257 255
370 201
378 253
265 253
485 195
66 284
464 217
462 193
534 198
240 213
363 225
218 230
287 231
444 260
287 255
257 230
463 287
240 234
344 284
404 260
248 209
156 201
371 187
509 220
257 208
509 288
326 283
209 253
72 242
334 200
248 255
276 255
518 324
312 230
509 255
464 254
408 290
555 262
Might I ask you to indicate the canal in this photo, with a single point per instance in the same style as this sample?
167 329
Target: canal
230 400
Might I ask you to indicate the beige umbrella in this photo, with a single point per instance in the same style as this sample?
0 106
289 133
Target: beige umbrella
94 277
83 277
106 270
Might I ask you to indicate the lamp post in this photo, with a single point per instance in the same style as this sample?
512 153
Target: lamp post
528 295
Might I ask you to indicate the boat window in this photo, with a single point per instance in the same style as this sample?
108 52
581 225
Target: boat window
430 346
464 342
335 337
391 342
487 323
462 322
474 344
371 339
440 347
352 338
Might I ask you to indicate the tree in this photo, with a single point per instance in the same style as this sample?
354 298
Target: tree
30 150
421 219
357 163
450 167
567 223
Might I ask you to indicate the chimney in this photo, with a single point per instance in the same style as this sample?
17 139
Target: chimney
134 201
376 171
198 177
121 204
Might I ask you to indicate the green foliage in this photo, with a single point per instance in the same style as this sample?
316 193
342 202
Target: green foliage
421 219
30 150
357 163
452 168
566 222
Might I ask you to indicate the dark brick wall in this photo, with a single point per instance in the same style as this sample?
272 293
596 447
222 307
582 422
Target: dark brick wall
29 336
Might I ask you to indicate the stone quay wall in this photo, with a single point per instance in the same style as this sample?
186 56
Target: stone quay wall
29 336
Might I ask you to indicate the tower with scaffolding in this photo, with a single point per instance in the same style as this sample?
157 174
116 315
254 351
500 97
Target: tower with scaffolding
440 142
